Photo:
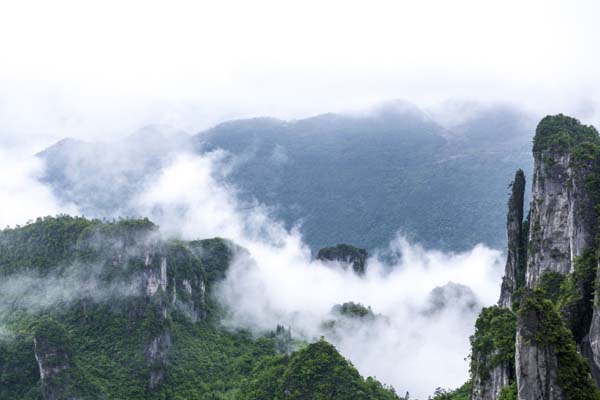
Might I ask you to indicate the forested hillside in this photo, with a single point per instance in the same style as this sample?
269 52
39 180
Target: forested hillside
111 310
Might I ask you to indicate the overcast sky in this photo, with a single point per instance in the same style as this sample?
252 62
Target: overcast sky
99 69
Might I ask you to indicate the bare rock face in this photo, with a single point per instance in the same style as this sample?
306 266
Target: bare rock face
537 371
157 352
515 246
562 219
562 227
539 334
559 236
490 388
549 241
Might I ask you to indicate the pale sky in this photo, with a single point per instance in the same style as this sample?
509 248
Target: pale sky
96 69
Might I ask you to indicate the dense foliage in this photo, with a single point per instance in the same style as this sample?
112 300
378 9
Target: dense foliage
345 253
560 132
353 310
509 392
162 344
462 393
315 372
493 342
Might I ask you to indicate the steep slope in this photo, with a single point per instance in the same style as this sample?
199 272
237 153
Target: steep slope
94 310
552 303
516 257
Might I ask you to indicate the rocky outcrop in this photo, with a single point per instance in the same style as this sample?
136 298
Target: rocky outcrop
515 247
346 254
490 386
488 377
537 365
558 238
562 217
155 278
562 240
492 353
549 241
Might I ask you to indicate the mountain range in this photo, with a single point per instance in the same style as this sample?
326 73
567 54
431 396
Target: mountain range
357 178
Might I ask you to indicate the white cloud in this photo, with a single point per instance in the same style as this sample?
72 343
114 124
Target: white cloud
278 283
106 69
22 196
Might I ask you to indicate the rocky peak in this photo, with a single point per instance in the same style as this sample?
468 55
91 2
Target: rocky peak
548 285
560 223
516 248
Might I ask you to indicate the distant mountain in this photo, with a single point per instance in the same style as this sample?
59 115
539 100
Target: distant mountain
360 179
355 179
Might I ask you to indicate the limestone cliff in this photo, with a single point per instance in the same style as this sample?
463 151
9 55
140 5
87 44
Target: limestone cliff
515 258
550 277
562 216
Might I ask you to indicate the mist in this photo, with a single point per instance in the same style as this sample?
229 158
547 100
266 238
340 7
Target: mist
427 301
22 196
192 65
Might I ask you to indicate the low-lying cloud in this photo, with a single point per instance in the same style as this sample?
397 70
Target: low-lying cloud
428 299
425 301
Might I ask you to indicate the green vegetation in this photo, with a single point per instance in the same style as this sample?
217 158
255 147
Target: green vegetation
553 284
315 372
561 133
509 392
462 393
353 310
354 256
522 251
544 326
164 345
558 313
493 342
576 297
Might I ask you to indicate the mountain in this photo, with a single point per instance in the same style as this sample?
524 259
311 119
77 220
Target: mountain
345 178
112 310
542 340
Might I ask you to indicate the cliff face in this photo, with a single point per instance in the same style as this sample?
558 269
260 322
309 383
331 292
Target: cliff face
515 258
550 278
536 361
563 217
489 376
563 221
489 388
549 242
492 353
